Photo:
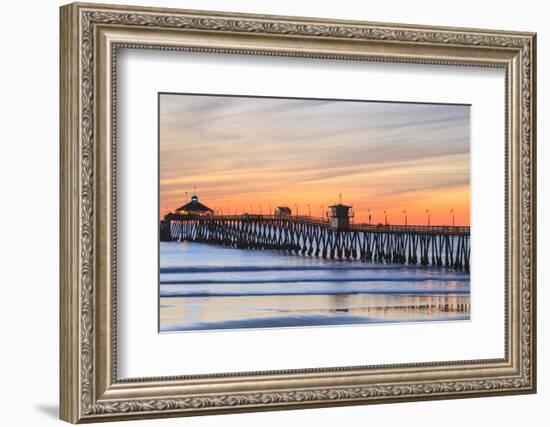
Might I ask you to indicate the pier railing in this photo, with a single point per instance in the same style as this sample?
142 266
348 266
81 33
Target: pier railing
442 246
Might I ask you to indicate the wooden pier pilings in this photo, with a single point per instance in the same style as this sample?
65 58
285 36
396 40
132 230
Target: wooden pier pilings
414 245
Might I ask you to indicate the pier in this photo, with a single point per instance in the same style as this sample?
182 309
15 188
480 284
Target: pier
332 238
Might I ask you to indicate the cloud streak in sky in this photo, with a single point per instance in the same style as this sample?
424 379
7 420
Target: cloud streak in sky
243 153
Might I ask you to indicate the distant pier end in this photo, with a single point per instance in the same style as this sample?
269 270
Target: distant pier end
194 207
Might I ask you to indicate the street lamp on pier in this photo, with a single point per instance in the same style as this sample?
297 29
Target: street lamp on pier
385 218
428 215
405 213
309 210
453 214
296 206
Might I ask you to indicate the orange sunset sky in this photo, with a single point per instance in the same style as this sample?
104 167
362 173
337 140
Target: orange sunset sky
253 154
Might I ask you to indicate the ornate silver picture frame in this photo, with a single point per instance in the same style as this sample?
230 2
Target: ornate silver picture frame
91 37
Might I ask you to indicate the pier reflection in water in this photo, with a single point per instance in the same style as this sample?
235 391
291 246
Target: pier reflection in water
208 287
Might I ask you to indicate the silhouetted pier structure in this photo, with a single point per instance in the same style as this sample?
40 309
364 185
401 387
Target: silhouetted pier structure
333 238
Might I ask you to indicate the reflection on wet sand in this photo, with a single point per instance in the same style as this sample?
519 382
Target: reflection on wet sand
192 313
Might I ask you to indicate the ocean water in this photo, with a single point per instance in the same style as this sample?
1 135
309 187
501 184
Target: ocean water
207 287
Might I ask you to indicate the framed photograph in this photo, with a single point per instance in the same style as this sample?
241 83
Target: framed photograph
266 212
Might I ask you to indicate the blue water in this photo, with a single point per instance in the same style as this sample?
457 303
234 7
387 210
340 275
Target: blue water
205 287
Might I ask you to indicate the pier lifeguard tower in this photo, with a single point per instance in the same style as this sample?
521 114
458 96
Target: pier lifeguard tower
339 216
